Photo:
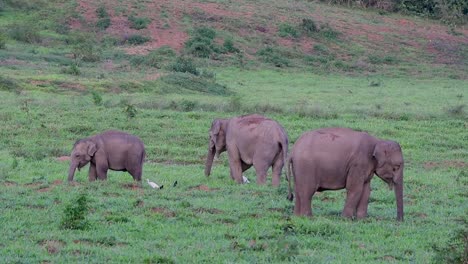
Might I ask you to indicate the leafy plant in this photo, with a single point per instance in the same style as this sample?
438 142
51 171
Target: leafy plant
137 39
3 40
74 215
130 110
273 56
201 43
97 98
185 64
84 47
73 69
104 20
155 58
229 46
138 22
287 30
8 84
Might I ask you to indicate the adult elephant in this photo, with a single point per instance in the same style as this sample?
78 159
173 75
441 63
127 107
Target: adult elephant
250 140
114 150
338 158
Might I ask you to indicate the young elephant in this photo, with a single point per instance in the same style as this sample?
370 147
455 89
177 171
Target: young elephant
113 150
337 158
249 140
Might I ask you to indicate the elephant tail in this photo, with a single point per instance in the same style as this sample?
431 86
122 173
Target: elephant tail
289 165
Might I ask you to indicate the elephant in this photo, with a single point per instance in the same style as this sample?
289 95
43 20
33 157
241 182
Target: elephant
249 140
114 150
338 158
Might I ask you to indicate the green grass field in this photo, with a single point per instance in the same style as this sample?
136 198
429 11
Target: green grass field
213 219
49 99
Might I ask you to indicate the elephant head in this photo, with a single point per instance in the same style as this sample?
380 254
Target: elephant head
217 143
82 152
389 167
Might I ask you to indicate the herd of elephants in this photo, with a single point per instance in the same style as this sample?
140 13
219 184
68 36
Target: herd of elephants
321 159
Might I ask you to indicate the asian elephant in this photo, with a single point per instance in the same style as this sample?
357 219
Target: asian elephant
249 140
114 150
338 158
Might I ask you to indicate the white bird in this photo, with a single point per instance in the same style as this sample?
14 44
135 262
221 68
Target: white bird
154 185
245 180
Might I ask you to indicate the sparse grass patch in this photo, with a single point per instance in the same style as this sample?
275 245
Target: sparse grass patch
178 82
8 84
274 56
3 40
104 20
288 30
157 58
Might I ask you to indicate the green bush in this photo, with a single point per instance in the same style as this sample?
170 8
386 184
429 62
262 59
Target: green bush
3 40
287 30
137 39
103 23
201 43
72 70
84 47
185 65
25 32
273 56
8 84
308 26
74 215
138 22
229 47
456 249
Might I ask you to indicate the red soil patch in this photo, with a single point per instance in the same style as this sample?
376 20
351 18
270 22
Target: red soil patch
376 34
57 182
10 183
63 158
52 246
445 164
204 188
132 186
164 211
47 189
208 210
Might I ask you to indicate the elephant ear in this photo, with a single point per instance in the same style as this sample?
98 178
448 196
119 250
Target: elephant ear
380 153
91 148
216 127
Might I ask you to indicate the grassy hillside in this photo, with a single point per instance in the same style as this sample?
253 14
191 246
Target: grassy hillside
70 69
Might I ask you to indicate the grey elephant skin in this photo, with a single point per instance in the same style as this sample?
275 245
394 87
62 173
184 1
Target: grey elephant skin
250 140
110 150
338 158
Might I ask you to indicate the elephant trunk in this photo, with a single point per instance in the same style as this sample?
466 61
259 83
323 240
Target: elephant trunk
209 160
399 197
71 171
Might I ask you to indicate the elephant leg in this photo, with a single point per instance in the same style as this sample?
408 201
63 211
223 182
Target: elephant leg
363 202
261 169
354 189
276 170
235 164
303 204
136 173
102 172
92 174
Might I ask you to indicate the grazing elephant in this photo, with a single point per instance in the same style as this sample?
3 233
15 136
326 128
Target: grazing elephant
249 140
113 150
338 158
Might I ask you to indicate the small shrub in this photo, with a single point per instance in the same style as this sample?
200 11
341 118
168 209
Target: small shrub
309 27
3 40
103 23
329 33
84 47
273 56
287 30
229 47
8 84
26 32
457 110
97 98
201 43
138 22
74 215
137 39
72 70
104 20
185 64
130 110
158 260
